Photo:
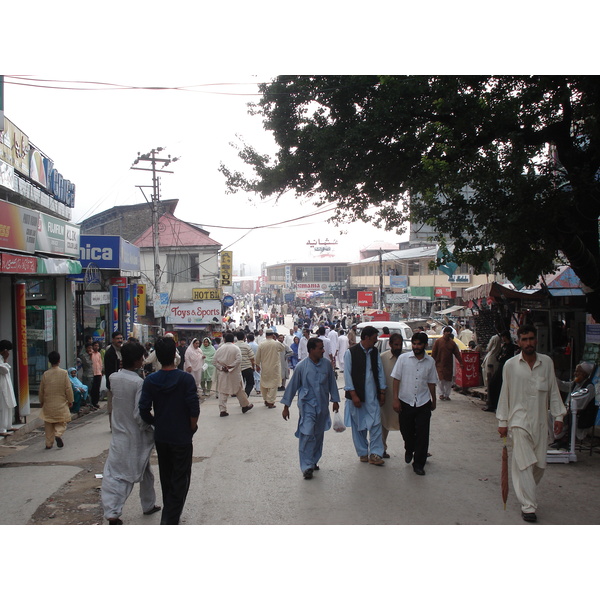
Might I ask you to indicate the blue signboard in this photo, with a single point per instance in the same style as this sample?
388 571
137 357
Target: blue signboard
228 301
108 252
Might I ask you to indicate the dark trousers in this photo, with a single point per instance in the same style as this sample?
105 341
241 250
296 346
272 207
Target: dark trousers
248 377
95 391
175 469
414 427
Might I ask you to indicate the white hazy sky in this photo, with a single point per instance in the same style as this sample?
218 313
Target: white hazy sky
94 137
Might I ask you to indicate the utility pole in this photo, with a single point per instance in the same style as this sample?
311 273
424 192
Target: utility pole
380 280
152 158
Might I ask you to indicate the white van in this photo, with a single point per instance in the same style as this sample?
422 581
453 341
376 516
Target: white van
395 327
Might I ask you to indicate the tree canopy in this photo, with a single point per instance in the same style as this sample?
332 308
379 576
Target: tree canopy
394 149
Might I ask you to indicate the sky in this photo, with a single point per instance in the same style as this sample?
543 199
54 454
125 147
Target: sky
94 137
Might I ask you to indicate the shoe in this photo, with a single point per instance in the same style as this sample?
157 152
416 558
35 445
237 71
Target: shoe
245 409
153 510
385 455
418 470
364 458
317 468
375 459
408 456
224 414
281 389
270 405
308 474
115 522
447 399
59 442
529 517
488 409
48 447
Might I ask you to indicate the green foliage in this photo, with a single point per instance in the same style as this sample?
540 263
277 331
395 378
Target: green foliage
390 149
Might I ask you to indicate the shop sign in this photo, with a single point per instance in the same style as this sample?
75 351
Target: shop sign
396 298
194 313
288 276
364 298
14 147
312 286
442 292
21 352
205 294
7 175
12 263
226 268
57 236
99 298
459 279
399 281
109 252
120 282
141 299
161 304
18 227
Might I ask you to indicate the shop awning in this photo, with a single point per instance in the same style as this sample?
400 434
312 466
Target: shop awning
450 310
58 266
496 290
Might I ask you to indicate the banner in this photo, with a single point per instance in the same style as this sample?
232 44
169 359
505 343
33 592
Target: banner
194 313
114 293
21 354
226 268
141 299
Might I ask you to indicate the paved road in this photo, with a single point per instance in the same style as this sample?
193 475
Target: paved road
246 472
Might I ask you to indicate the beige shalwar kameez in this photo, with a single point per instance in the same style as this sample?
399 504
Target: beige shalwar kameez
523 407
269 362
230 383
55 396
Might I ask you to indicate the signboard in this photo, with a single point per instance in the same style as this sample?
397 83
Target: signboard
228 301
194 313
312 286
205 294
399 281
109 252
364 298
142 299
459 279
161 304
56 236
226 268
99 298
13 263
396 298
120 282
18 227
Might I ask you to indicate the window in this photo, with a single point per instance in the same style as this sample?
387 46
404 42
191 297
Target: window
182 268
340 273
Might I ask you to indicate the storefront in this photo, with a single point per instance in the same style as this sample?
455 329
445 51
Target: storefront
107 289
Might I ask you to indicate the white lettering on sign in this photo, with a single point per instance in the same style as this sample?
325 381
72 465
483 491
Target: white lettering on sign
88 253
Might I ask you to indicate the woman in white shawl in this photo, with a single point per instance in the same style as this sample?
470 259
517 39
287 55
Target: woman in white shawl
194 363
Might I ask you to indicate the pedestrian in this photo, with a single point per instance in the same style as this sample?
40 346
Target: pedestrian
284 358
254 347
98 369
268 364
352 339
415 376
507 350
87 370
131 443
112 363
443 353
365 387
333 337
170 403
313 379
343 345
389 417
293 360
247 365
529 388
490 361
80 391
228 362
194 364
302 345
466 335
182 349
56 398
322 335
208 374
8 401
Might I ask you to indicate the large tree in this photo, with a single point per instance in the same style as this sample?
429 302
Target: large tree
392 148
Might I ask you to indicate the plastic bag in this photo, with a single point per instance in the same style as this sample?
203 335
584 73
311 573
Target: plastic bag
338 423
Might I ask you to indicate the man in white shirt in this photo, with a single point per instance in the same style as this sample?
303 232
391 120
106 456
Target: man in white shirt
415 377
343 345
326 343
302 346
529 387
333 342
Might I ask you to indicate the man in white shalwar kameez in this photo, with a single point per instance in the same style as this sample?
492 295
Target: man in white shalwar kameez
314 381
7 392
228 362
268 364
132 441
529 387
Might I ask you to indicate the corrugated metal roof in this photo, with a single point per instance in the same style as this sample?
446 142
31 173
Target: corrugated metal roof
174 232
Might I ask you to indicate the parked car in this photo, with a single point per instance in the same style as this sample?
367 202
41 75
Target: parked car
394 326
432 339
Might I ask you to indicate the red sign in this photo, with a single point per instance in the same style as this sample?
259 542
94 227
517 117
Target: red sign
365 298
13 263
120 282
470 374
21 354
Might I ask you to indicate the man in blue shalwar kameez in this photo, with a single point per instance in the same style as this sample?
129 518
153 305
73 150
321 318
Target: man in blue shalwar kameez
314 380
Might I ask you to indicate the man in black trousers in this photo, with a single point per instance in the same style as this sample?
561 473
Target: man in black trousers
415 377
173 397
